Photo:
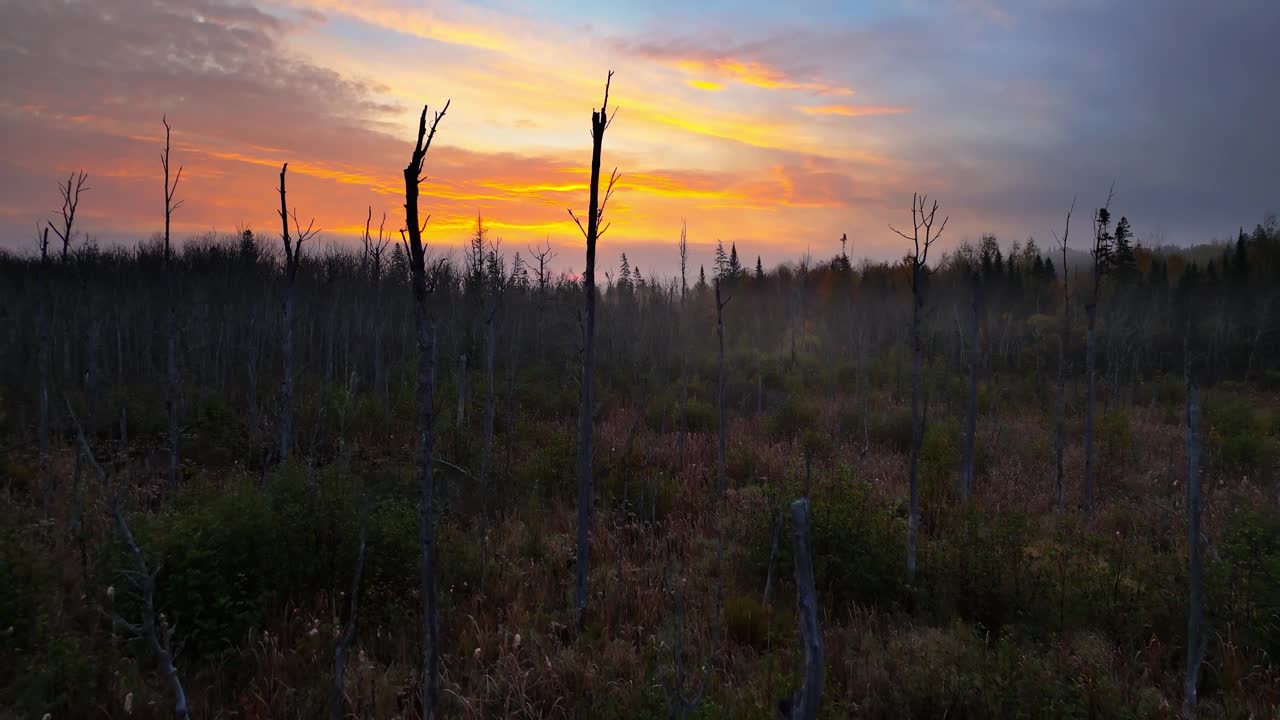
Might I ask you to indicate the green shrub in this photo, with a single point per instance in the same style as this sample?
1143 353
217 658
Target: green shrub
1237 434
1246 577
858 548
44 666
792 417
1116 439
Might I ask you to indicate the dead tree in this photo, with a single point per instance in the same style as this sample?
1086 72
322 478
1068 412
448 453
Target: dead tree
1195 602
292 258
681 420
42 363
971 421
803 705
174 382
723 419
70 201
600 121
343 646
543 255
1101 257
922 238
154 629
1059 444
498 281
425 330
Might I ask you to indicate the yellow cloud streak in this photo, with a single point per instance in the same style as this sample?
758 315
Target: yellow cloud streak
853 110
757 74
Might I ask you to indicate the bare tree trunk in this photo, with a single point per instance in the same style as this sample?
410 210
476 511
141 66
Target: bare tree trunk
336 699
174 382
1195 609
461 374
286 337
153 629
804 704
490 350
723 419
917 425
43 320
599 123
923 237
1063 336
425 327
773 557
1090 396
971 427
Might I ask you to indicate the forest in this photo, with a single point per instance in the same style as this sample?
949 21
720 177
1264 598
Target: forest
258 475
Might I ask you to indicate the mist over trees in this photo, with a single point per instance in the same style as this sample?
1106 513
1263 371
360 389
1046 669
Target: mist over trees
267 475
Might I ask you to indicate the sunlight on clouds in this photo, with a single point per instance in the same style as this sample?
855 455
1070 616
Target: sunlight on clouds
853 110
705 85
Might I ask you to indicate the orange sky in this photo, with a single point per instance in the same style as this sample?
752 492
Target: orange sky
775 129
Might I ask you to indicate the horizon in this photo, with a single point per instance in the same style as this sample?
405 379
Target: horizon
1009 112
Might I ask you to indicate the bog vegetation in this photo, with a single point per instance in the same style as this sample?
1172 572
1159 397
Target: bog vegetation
255 476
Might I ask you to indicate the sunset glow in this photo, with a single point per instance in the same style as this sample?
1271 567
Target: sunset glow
776 129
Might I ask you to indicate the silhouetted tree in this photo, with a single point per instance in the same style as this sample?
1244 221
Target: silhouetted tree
922 238
424 324
600 121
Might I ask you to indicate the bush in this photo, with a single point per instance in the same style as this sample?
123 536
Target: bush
792 417
1237 434
1116 439
44 667
858 548
1247 578
231 555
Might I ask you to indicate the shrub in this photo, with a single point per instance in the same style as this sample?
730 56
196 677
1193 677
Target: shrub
1237 434
1247 577
792 417
1116 438
858 546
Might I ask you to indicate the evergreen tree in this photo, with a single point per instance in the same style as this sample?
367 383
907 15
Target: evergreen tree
1122 258
399 269
702 286
759 269
735 267
722 262
624 277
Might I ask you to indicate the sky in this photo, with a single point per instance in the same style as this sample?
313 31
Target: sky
774 126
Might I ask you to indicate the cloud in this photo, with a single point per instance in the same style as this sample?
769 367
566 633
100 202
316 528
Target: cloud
853 110
734 66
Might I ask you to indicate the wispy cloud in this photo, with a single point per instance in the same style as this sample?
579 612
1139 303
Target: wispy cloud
853 110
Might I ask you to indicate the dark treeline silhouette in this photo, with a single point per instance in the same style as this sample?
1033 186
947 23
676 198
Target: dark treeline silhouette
575 489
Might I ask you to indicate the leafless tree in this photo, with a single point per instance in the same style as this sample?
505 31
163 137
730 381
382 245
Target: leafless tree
723 417
42 363
971 421
923 237
154 629
804 704
1063 336
1195 603
174 384
292 258
70 201
425 330
600 121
